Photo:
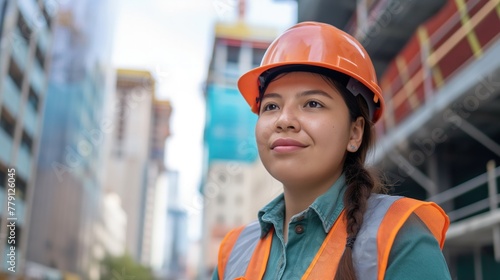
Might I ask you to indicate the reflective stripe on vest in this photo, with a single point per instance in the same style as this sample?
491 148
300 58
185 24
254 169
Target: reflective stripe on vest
244 255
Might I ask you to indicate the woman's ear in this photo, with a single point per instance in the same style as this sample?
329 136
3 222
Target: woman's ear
356 137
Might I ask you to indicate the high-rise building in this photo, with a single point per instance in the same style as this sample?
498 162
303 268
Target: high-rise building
67 191
235 184
25 45
438 67
160 130
129 152
136 156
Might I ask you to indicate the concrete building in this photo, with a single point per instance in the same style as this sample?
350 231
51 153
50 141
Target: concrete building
67 191
130 150
234 193
160 130
112 227
235 184
439 139
136 156
25 42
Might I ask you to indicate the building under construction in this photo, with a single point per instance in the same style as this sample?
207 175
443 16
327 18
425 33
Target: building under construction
439 69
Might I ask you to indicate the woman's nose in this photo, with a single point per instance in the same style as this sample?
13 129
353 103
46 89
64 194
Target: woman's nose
287 121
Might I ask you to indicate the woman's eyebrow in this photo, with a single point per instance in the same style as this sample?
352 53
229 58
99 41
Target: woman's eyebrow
314 92
300 94
271 95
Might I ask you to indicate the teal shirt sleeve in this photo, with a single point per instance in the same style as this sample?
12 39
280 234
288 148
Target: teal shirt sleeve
215 275
416 254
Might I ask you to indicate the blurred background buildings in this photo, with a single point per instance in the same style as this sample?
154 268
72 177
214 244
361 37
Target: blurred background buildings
26 39
87 140
73 205
67 189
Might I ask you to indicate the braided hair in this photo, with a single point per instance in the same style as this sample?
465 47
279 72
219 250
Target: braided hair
360 181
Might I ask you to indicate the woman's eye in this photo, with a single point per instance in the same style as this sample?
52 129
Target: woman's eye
270 107
313 104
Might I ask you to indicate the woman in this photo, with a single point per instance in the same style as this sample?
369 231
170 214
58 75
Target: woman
317 99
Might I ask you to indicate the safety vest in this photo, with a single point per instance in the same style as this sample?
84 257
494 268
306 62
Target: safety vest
244 253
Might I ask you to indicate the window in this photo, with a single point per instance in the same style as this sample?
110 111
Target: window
20 188
23 27
15 73
222 177
122 111
27 142
46 16
3 178
33 100
7 122
233 54
39 57
257 55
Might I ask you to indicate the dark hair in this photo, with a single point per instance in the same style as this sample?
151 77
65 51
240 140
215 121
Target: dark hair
360 181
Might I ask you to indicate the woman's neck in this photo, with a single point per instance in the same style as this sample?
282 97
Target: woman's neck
299 198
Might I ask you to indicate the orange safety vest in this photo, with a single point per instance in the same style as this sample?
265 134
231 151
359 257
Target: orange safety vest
244 253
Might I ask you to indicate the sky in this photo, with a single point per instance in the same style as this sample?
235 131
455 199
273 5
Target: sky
174 39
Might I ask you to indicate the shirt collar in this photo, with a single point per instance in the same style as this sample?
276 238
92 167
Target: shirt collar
272 214
327 206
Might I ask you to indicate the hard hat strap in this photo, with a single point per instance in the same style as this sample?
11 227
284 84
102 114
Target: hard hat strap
357 88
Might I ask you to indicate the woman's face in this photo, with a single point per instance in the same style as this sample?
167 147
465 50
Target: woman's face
304 130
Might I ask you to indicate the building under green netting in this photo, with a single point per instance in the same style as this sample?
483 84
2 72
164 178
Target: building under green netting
229 129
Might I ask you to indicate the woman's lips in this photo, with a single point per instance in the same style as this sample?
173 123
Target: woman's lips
287 145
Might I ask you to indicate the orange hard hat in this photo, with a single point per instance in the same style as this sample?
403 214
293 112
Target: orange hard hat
318 45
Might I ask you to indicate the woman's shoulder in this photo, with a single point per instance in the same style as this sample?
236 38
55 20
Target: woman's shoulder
381 201
414 247
393 226
250 231
392 212
387 201
380 197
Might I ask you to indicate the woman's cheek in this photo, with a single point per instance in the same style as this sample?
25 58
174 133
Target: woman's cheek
263 130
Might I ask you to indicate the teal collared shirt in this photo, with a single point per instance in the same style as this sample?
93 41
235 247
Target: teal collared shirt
306 232
414 247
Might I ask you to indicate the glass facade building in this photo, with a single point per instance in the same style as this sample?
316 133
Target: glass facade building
67 192
26 36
